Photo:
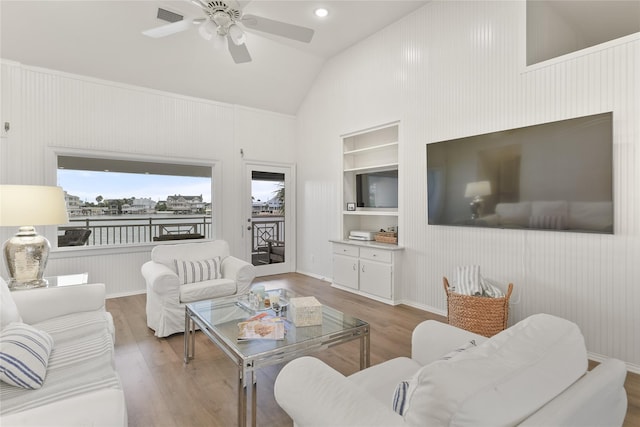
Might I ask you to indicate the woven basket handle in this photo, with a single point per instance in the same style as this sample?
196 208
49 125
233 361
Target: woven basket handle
445 283
509 290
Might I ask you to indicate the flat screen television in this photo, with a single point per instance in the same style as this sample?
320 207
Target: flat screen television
552 176
377 189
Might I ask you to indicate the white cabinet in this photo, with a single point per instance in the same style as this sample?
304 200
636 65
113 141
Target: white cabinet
366 268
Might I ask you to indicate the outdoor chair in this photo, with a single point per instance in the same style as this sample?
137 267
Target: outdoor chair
74 237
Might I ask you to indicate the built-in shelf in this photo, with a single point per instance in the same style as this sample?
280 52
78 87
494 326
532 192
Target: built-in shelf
373 167
375 147
372 213
369 268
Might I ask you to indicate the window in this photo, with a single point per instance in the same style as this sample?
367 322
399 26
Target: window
122 202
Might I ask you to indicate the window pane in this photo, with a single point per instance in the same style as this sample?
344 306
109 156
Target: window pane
120 202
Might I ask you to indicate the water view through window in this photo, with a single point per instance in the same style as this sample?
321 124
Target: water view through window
126 202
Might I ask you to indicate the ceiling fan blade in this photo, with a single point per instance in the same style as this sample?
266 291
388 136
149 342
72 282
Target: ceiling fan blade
167 30
290 31
238 4
239 53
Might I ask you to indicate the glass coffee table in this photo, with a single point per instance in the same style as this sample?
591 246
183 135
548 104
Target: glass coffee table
218 320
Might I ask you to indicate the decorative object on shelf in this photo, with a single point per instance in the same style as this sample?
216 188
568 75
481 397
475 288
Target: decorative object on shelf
351 206
477 190
387 237
26 253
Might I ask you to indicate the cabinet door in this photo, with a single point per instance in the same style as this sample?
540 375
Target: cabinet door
375 278
345 271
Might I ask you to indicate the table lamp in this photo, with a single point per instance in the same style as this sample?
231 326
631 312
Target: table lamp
477 190
27 252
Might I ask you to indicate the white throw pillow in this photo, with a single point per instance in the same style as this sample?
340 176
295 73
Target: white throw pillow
400 402
198 271
8 309
518 370
24 355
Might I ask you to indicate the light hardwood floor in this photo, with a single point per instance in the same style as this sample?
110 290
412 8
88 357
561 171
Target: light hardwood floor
161 391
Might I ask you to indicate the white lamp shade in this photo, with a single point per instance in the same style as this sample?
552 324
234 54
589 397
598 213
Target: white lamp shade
478 189
22 205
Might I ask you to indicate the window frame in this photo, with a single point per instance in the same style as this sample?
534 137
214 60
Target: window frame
52 179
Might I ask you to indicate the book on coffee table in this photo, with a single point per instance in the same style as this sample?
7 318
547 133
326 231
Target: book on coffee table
265 328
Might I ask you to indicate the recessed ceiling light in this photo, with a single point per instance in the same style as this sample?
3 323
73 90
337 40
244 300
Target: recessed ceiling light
321 12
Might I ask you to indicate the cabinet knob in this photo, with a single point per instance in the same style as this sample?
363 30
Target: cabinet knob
354 267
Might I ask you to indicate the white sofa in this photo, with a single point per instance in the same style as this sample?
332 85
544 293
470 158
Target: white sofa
168 291
81 386
532 374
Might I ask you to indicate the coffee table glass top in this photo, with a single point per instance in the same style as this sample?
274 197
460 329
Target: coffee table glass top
223 314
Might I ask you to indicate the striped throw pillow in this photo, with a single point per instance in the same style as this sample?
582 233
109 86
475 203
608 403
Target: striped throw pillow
24 355
197 271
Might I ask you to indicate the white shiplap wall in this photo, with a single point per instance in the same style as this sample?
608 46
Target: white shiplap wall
455 69
52 112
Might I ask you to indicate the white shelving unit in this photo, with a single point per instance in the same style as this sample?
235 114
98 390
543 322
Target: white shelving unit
367 268
373 150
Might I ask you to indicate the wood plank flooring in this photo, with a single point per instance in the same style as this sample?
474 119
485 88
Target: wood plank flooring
161 391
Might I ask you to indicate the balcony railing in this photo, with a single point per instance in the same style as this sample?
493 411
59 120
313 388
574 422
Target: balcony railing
264 232
122 230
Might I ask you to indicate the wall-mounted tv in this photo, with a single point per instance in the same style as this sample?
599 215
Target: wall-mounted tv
553 176
377 189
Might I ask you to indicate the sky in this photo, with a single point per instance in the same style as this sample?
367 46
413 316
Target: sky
114 185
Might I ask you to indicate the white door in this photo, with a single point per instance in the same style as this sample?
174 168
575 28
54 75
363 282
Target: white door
269 223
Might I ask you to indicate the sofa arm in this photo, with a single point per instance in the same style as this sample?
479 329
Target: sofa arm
160 278
240 271
596 399
432 339
314 394
37 305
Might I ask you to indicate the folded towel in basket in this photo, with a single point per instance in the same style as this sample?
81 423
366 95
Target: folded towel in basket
468 281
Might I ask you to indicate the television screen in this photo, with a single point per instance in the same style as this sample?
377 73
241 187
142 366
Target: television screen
377 189
552 176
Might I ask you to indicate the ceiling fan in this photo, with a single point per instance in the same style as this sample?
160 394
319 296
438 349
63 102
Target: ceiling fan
224 21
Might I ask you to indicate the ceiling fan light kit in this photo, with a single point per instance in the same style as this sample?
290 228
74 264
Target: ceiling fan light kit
224 19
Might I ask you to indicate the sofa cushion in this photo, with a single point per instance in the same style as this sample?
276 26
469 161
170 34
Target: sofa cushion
24 355
381 380
8 309
81 362
192 271
165 254
207 289
518 370
400 402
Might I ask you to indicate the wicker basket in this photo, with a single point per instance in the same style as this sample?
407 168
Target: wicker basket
386 237
481 315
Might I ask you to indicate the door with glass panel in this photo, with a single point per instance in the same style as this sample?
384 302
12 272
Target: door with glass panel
269 212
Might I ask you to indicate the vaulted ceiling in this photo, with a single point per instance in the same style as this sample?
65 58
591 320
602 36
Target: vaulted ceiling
104 39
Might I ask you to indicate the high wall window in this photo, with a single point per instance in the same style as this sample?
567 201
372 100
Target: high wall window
124 202
555 28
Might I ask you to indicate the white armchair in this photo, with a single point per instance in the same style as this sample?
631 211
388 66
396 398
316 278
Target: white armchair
182 273
532 374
